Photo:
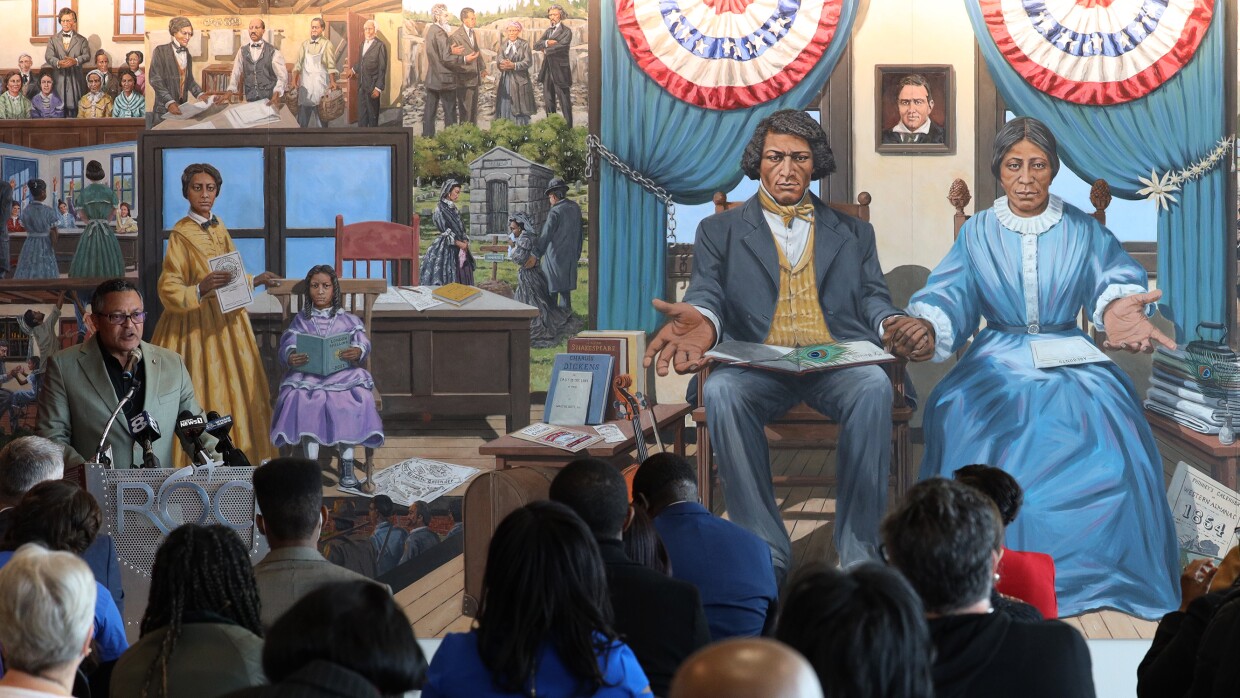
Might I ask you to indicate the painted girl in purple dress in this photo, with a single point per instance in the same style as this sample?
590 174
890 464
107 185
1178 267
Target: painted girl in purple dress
335 410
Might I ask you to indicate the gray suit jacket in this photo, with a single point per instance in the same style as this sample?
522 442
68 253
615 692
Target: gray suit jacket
559 246
468 74
441 65
736 274
288 574
69 83
77 397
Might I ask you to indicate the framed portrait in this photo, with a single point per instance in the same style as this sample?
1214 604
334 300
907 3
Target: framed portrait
914 109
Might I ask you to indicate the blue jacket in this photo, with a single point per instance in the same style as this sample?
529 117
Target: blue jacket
730 566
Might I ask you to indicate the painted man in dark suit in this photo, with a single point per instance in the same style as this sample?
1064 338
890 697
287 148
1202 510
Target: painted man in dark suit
371 76
111 85
559 246
915 104
30 79
556 74
470 70
441 76
785 269
171 74
67 52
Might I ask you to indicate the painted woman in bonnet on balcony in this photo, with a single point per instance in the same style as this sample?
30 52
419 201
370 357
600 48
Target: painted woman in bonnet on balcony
1074 436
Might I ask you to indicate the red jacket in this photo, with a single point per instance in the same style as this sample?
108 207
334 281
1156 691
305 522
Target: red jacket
1029 577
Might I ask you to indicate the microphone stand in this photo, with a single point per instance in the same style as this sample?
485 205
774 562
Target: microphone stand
99 453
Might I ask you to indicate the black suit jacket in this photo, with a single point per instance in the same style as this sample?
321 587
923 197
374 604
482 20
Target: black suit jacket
373 68
468 74
164 76
936 135
660 618
555 67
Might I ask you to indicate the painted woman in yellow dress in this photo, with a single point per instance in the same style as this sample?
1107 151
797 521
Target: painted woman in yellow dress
219 349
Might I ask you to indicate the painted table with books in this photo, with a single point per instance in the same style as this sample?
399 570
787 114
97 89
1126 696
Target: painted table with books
509 451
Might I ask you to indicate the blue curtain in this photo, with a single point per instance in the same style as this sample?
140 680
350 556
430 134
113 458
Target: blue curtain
689 151
1169 129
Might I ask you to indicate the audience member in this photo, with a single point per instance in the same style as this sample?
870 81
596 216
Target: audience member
46 602
289 493
14 223
947 539
388 539
133 61
62 516
457 516
642 542
45 103
30 79
745 668
730 566
544 625
660 618
201 633
25 462
13 103
345 540
862 630
128 104
1027 576
343 640
421 538
1194 646
68 55
110 84
95 104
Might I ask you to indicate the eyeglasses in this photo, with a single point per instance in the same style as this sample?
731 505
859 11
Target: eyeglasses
119 318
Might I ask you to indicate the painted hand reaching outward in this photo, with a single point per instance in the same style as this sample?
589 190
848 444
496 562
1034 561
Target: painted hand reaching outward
682 341
908 337
1129 329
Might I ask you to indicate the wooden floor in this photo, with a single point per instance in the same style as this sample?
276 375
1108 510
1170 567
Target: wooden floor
433 603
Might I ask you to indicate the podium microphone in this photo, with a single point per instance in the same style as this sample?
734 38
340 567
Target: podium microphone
189 433
134 357
219 427
145 430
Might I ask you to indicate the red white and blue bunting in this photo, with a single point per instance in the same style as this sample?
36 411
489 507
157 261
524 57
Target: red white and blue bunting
1097 52
727 54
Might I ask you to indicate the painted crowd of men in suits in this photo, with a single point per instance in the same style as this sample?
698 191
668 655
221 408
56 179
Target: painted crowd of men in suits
456 70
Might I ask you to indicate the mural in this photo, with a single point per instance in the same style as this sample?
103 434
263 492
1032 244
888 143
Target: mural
291 185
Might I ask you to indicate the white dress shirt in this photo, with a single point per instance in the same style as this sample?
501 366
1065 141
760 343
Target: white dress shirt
277 65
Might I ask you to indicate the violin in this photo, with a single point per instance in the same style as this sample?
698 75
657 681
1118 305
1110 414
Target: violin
630 410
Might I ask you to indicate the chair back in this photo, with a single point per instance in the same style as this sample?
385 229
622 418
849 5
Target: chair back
861 209
377 249
958 196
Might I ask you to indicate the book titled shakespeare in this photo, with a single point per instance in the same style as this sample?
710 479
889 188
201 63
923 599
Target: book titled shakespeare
323 352
557 437
816 357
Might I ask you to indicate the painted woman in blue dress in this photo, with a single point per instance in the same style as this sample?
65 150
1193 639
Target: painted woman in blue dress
1074 436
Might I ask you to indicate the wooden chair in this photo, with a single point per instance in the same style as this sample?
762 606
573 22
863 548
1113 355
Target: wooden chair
802 425
358 297
391 247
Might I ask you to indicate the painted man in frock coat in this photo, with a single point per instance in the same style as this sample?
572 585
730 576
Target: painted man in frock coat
171 75
556 74
371 76
785 269
67 54
560 243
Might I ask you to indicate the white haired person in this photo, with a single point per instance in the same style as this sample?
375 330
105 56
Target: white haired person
47 604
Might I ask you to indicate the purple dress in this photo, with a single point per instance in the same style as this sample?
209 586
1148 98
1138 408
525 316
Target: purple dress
332 410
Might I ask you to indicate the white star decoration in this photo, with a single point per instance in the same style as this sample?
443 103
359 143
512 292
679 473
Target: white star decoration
1158 189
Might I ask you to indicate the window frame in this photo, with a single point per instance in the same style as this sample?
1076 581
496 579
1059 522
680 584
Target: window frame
132 189
35 37
116 23
79 178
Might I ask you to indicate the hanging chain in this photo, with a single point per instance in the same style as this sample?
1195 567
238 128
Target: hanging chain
597 148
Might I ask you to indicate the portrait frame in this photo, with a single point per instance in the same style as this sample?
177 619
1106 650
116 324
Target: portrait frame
941 81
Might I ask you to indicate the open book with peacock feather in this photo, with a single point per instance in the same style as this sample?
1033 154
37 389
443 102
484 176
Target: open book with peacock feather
815 357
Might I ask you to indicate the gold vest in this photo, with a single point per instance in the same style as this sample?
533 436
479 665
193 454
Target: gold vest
798 319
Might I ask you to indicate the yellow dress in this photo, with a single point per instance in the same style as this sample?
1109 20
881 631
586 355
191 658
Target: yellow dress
220 351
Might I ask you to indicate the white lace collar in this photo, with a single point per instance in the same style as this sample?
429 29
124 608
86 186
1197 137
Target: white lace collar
1035 225
323 312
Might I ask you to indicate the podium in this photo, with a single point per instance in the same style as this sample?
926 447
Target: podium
142 506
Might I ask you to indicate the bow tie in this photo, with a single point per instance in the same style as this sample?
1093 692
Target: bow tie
787 213
209 224
179 49
258 45
67 35
314 41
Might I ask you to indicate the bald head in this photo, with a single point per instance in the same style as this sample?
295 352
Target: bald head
745 667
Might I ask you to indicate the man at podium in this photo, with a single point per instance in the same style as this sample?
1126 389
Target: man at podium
84 384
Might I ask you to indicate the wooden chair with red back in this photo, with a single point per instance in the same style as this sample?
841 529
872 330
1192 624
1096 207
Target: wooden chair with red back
802 425
377 249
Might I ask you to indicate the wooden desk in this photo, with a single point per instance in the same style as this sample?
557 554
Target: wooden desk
443 362
66 245
1222 461
509 451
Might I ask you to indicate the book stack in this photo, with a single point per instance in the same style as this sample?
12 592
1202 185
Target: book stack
456 294
1179 392
580 389
625 347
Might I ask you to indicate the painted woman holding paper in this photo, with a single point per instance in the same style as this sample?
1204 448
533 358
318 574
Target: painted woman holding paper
448 260
337 409
219 349
553 323
1074 436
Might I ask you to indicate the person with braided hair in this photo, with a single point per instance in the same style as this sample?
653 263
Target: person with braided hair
201 635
